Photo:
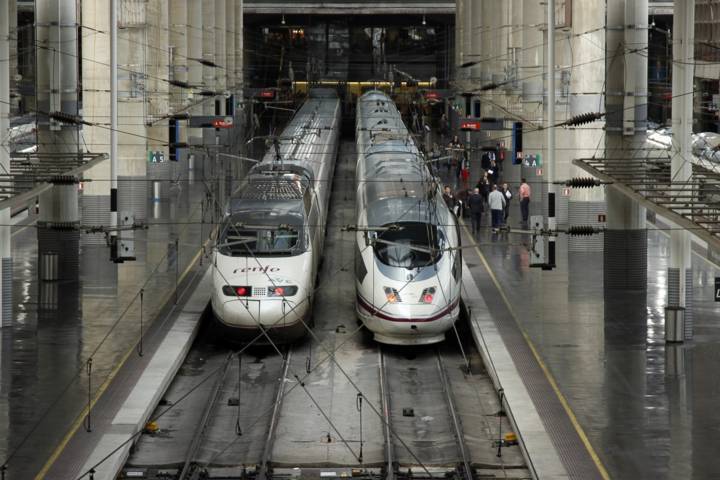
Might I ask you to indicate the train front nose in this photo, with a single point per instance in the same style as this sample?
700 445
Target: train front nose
255 302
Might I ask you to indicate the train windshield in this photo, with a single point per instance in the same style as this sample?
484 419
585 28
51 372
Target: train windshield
415 245
240 240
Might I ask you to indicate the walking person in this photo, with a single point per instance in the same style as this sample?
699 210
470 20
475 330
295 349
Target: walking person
508 196
497 205
484 186
454 152
524 201
475 202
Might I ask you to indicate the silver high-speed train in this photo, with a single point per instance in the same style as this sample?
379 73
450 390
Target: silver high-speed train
408 260
270 244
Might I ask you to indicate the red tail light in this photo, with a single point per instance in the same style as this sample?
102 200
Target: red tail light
237 291
428 298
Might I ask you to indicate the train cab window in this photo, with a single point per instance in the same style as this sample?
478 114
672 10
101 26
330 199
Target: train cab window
246 240
416 245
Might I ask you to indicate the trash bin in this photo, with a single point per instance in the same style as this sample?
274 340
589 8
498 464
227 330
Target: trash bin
49 266
674 324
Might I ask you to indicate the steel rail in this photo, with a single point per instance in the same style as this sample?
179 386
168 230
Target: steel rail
267 449
385 404
186 471
467 471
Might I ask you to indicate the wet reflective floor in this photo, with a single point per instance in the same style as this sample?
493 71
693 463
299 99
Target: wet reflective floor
648 408
60 325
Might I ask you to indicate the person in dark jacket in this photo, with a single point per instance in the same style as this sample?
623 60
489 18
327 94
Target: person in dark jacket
508 196
450 199
484 186
475 203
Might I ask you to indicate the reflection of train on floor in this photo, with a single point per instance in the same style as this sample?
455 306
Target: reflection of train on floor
272 237
408 261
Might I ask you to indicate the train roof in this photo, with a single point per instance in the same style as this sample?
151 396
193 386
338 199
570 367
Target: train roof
398 185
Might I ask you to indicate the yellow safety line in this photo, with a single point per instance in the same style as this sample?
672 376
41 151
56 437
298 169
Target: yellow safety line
81 417
546 371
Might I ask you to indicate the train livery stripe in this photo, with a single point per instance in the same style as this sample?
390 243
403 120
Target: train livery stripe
365 305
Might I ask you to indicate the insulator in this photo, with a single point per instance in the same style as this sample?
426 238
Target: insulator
582 182
207 63
581 230
178 83
583 118
490 86
65 118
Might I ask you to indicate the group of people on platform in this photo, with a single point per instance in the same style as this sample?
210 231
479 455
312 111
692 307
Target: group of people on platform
488 192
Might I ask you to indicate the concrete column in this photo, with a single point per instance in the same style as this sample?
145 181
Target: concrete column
239 46
585 205
6 317
625 245
459 39
13 38
57 91
476 29
136 58
230 38
679 277
208 53
57 69
195 70
95 206
179 97
220 52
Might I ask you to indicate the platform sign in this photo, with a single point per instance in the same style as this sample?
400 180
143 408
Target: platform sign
717 289
156 156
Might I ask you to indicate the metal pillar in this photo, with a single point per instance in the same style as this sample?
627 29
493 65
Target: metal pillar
113 130
5 238
550 156
679 275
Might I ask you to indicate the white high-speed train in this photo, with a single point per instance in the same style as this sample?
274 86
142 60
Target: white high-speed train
271 242
408 258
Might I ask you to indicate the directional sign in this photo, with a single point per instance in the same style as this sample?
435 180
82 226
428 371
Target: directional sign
226 122
717 289
210 121
469 125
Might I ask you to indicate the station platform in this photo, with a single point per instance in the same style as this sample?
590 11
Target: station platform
60 325
623 403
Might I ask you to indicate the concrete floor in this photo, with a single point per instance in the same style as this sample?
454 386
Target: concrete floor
43 384
648 408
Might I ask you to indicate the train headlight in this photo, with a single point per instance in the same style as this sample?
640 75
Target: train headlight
237 291
284 291
392 295
427 295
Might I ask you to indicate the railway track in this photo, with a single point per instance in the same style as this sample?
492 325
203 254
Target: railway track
423 432
266 416
223 409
